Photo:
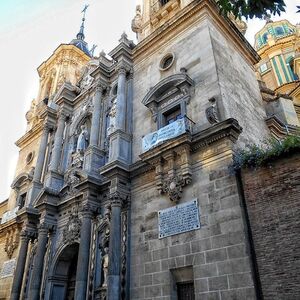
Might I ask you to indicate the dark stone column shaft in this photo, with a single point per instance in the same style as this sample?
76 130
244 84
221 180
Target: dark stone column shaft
38 264
121 100
95 127
114 266
56 154
83 256
41 155
19 272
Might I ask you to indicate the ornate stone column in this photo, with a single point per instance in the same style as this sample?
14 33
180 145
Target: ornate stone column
130 102
38 263
114 267
95 127
121 100
41 155
56 153
84 253
19 272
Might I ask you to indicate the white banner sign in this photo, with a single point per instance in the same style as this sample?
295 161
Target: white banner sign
168 132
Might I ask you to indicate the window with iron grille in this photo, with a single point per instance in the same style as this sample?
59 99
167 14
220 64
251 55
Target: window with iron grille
185 291
164 2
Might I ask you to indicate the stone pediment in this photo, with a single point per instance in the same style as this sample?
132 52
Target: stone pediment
68 92
178 85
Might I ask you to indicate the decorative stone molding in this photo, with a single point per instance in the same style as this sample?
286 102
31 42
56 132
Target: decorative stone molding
11 242
172 91
87 210
116 199
72 180
172 168
71 232
124 242
173 187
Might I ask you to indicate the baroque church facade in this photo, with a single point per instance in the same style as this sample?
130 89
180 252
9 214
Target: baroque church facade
122 188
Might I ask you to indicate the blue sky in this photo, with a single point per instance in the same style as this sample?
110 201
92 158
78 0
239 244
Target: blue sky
30 30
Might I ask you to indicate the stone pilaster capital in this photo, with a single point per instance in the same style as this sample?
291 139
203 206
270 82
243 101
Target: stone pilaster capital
87 211
24 236
100 87
62 115
43 228
122 70
47 127
130 73
118 199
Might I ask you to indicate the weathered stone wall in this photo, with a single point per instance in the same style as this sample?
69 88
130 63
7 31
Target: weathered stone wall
217 253
272 199
6 282
190 53
240 94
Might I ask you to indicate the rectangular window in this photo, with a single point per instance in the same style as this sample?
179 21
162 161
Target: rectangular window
163 2
185 291
21 200
172 115
263 68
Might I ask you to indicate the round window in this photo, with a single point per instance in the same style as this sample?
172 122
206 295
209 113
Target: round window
167 61
29 158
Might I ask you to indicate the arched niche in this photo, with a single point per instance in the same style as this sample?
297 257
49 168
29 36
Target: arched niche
19 185
62 276
171 94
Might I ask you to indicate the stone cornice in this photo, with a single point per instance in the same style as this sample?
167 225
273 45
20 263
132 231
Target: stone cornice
30 135
282 43
57 51
184 19
228 129
278 129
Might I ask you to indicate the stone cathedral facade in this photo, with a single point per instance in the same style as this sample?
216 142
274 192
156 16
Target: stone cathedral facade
122 188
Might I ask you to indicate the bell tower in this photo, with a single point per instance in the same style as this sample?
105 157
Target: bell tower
64 65
155 13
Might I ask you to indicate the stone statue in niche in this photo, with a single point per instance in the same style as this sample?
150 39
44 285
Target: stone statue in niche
83 140
105 262
112 117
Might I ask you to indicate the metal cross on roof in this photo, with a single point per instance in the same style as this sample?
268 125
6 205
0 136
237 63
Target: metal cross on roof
84 9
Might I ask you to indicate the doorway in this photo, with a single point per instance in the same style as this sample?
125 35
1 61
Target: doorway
64 275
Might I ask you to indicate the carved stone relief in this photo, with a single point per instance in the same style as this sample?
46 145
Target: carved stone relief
71 232
11 242
173 172
72 179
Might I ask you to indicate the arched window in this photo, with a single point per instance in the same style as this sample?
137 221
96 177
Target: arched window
279 31
265 37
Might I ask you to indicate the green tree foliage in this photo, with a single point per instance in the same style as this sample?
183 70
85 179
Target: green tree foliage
252 8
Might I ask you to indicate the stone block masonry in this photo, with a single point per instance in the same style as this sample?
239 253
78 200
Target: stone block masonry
272 200
217 254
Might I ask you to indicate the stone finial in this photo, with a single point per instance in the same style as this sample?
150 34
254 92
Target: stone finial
124 38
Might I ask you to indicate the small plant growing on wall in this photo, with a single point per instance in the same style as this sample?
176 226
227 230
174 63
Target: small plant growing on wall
255 156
